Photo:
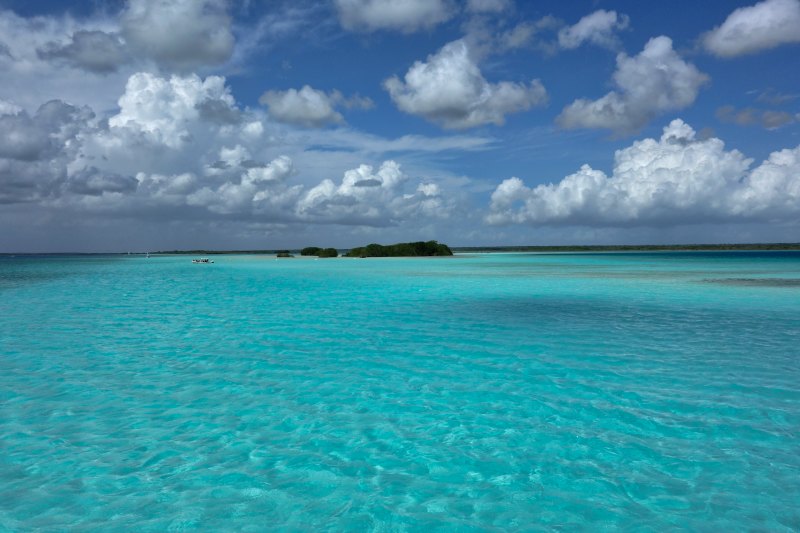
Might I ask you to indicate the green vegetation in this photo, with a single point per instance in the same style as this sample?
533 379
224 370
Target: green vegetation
401 249
284 253
328 252
319 252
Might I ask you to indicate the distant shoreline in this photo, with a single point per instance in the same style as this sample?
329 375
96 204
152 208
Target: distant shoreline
478 249
571 248
636 248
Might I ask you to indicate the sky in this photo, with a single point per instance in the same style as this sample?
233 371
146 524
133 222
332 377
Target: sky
144 125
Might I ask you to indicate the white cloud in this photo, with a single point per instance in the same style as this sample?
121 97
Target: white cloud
406 16
259 189
176 35
253 130
173 153
35 150
370 197
181 126
653 82
162 110
177 151
772 190
306 107
755 28
167 190
95 51
598 28
46 58
362 194
449 89
675 180
309 107
179 34
24 138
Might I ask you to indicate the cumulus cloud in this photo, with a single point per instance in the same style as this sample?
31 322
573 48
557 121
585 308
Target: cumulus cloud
366 196
95 51
362 194
22 182
53 128
407 16
258 189
161 110
748 116
179 34
309 107
598 28
653 82
748 30
677 179
24 137
449 89
245 170
168 131
174 151
190 149
306 107
35 150
80 61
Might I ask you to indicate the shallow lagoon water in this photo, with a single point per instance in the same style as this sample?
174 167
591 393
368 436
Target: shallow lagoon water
489 392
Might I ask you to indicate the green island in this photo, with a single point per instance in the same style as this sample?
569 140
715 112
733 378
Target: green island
402 249
319 252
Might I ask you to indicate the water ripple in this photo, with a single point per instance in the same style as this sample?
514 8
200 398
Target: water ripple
150 395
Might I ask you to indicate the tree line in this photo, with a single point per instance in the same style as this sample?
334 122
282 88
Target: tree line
402 249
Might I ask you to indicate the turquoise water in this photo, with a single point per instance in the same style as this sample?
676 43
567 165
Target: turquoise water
498 392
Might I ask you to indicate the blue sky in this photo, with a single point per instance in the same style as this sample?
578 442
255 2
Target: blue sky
152 124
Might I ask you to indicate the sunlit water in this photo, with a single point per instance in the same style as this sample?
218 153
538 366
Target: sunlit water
489 392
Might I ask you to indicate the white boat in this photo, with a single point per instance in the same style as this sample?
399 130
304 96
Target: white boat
202 260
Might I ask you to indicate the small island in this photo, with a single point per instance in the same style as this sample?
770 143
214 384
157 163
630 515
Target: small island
319 252
402 249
